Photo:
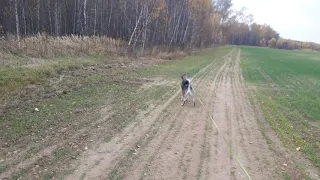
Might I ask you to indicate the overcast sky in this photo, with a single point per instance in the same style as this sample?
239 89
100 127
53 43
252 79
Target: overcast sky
293 19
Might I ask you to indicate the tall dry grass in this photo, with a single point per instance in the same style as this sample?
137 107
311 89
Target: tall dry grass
161 52
49 46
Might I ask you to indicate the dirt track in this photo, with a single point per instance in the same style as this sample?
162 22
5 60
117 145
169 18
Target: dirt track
174 142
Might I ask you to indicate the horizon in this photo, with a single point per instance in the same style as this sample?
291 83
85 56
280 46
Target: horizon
298 22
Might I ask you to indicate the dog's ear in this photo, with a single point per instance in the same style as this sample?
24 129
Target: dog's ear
184 75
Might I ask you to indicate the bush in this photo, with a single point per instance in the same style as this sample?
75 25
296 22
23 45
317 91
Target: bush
272 43
172 55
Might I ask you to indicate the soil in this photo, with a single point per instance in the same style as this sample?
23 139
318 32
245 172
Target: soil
181 142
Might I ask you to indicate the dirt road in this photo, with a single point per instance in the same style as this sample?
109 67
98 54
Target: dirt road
169 141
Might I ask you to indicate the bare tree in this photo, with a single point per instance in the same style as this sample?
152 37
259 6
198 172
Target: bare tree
85 15
174 23
17 20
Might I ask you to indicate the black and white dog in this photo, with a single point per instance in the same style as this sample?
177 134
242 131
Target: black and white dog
187 89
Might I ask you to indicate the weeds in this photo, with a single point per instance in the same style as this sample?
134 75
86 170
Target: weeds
49 46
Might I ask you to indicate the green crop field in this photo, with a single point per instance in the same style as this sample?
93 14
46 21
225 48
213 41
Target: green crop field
287 87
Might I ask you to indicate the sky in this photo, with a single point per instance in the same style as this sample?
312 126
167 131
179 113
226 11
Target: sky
293 19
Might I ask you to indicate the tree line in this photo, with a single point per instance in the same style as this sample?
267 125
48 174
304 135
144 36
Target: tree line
244 33
141 23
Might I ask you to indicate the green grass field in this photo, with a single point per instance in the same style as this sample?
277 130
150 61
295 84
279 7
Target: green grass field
287 85
86 93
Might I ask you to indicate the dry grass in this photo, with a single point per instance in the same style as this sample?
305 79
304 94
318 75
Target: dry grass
159 52
43 46
33 60
171 55
49 46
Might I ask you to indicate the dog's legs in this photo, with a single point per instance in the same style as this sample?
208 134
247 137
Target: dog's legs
183 102
194 103
190 92
184 98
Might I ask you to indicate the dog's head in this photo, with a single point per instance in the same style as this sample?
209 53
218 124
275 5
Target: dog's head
184 76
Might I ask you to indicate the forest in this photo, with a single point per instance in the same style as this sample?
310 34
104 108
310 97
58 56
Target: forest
142 23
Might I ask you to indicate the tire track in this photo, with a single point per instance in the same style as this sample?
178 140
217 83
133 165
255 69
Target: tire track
190 148
188 125
97 162
175 142
235 119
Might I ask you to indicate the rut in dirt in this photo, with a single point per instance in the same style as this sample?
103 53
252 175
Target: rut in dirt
175 142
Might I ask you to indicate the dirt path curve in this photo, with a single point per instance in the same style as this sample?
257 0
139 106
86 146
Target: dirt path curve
174 142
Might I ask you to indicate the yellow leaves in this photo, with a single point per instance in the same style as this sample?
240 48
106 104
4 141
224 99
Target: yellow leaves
263 42
207 3
200 8
200 4
159 7
215 19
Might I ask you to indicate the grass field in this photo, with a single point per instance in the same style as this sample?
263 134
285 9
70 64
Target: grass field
81 100
70 93
287 85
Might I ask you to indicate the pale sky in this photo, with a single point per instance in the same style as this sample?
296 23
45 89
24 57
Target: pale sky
293 19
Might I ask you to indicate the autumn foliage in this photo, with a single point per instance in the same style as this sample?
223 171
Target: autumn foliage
141 23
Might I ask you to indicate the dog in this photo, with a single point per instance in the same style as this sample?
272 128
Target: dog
187 89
